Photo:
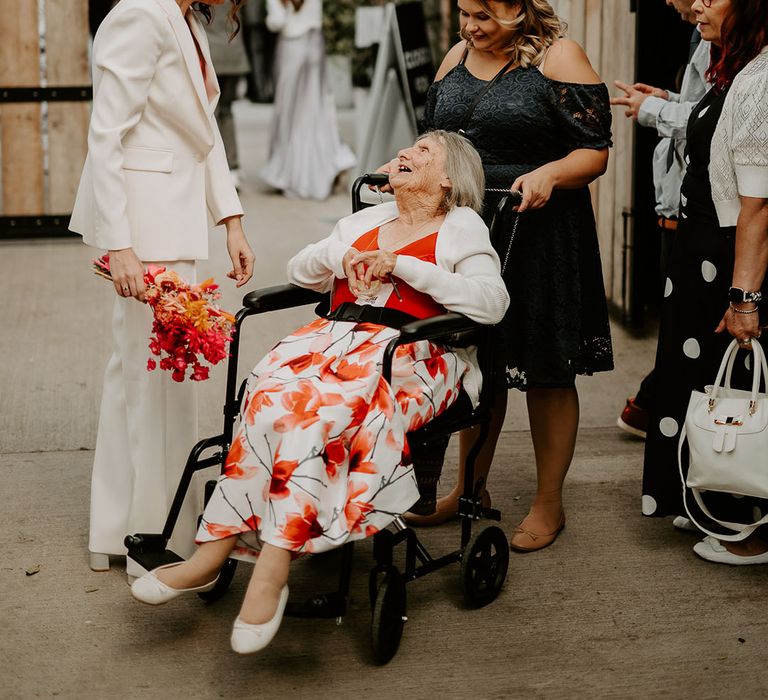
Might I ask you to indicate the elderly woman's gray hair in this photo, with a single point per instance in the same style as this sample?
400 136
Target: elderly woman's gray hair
464 169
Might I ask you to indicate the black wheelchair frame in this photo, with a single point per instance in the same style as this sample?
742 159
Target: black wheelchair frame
483 554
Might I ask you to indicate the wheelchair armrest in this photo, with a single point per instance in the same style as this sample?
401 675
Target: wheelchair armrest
281 296
446 327
437 327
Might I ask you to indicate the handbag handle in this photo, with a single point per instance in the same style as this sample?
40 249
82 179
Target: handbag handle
731 364
759 371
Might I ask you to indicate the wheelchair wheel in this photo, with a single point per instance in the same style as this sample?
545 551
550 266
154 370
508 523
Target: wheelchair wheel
225 578
484 566
388 616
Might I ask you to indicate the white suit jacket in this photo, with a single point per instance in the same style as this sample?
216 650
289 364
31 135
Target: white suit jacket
155 155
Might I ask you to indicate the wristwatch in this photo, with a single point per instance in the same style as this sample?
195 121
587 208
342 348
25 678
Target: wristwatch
737 295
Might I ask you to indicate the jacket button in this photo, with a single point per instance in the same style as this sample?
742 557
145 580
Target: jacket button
199 157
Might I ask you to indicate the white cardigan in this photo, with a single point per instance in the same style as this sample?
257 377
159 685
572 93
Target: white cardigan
466 278
155 155
739 153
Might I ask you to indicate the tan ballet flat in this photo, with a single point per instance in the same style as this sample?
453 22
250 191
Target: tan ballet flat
524 540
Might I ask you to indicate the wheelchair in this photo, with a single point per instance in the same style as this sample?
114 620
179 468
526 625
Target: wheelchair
483 552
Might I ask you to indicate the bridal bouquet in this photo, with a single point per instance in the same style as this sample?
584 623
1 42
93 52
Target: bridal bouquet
188 329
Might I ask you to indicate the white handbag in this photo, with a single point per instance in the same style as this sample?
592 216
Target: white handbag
727 434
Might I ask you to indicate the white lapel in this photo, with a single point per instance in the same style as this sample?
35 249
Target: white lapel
188 50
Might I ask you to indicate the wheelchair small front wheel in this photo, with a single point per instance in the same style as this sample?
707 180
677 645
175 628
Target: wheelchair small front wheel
484 566
388 616
225 578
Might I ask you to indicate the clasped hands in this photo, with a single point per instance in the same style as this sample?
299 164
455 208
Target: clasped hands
366 270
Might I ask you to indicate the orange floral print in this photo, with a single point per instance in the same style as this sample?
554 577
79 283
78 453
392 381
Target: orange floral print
303 406
302 527
282 471
321 455
360 449
260 399
355 510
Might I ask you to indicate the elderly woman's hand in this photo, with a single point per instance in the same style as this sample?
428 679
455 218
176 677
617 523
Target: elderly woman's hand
387 168
536 187
378 264
741 326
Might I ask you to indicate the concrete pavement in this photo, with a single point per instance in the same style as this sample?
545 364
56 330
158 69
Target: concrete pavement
618 607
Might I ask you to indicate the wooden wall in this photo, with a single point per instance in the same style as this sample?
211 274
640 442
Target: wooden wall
606 29
42 147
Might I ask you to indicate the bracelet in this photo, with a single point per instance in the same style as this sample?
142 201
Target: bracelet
742 311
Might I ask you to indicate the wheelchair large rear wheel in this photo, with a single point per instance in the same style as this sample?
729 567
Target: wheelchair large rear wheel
225 578
484 566
388 616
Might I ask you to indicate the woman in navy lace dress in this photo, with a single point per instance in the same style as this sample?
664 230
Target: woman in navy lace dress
543 127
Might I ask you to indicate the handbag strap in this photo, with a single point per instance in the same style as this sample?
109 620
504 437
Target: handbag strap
759 371
732 362
468 115
742 530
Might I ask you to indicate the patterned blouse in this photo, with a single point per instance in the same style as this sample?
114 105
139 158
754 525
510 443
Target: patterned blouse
739 155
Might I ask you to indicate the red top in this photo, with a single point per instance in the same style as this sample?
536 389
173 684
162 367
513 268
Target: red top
414 302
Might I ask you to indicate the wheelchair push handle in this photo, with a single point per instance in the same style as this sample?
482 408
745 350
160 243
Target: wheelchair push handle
376 179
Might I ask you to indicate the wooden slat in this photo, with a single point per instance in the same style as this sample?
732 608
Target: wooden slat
604 208
67 51
624 137
20 128
596 24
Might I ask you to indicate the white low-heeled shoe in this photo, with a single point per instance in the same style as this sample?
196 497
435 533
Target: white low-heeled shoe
151 590
711 549
248 639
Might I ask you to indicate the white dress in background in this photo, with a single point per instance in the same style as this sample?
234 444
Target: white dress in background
306 153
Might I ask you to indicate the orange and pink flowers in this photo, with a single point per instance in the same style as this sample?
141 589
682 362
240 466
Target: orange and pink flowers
188 329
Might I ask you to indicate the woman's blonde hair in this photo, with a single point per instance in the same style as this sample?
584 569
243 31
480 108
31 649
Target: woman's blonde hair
463 168
535 29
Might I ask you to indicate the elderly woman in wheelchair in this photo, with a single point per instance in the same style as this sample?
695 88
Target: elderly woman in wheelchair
320 456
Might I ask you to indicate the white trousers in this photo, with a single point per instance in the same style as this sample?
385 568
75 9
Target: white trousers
147 426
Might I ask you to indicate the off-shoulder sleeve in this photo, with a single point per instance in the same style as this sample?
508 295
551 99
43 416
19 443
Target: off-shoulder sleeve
584 113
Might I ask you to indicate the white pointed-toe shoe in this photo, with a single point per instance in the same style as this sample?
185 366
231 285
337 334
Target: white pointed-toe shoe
711 549
151 590
248 639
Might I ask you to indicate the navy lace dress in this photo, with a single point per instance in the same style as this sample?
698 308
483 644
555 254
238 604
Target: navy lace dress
557 323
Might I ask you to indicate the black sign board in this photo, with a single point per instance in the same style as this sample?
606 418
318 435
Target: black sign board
414 53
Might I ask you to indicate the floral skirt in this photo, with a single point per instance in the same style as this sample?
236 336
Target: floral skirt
320 456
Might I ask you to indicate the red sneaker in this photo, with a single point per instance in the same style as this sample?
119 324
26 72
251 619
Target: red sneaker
633 419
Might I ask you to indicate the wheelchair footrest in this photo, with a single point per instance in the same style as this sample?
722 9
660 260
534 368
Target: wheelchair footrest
149 550
325 605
